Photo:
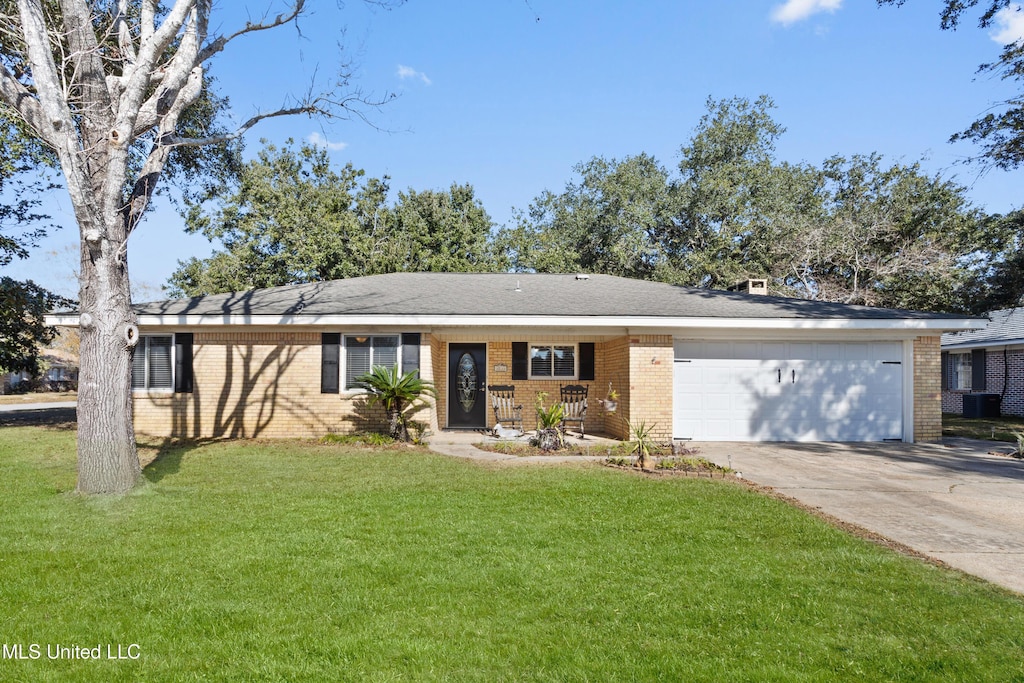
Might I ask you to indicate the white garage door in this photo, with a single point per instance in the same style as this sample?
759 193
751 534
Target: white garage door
788 391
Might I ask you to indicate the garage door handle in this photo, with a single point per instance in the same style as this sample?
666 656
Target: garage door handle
794 376
780 375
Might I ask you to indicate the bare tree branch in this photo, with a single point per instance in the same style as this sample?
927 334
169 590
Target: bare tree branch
172 140
19 98
220 42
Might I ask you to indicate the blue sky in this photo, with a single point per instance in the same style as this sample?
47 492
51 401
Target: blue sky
509 95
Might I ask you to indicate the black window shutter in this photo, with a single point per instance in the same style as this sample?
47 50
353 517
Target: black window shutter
587 360
520 365
945 369
183 363
410 351
330 356
978 370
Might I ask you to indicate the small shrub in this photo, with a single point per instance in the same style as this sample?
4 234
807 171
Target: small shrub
549 418
689 465
418 431
366 439
549 436
641 443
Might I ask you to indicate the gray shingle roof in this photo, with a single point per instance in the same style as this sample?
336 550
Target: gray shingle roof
1006 326
496 294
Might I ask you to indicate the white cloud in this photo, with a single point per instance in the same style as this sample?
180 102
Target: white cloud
793 11
1009 23
320 141
405 72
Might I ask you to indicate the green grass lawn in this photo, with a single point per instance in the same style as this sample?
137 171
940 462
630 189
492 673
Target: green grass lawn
992 428
298 561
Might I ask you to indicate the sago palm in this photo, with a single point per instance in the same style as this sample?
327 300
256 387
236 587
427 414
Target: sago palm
397 394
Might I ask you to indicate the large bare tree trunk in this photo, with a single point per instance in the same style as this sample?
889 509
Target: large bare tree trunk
95 81
107 458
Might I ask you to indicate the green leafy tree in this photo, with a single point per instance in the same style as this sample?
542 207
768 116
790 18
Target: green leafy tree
853 230
997 279
1000 132
735 205
890 236
607 222
401 396
287 218
290 218
25 168
22 328
440 232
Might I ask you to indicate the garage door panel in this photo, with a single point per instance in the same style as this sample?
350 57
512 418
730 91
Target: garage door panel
838 391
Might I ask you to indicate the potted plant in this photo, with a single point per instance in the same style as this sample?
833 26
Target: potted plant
611 400
549 436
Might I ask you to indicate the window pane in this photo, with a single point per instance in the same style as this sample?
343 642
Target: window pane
385 351
357 360
962 369
139 365
159 362
565 361
540 361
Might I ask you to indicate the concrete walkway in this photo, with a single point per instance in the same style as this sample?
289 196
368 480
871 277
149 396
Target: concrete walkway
18 407
461 444
952 501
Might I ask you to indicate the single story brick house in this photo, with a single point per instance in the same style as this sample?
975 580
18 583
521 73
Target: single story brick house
699 364
988 360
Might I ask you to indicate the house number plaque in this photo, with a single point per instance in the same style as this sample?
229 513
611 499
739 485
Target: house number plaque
466 381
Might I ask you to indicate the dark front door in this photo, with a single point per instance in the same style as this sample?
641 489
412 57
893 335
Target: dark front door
467 373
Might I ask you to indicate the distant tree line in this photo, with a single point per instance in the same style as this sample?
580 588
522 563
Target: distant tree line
854 230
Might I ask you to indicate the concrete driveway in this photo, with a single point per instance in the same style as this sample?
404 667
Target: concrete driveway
951 501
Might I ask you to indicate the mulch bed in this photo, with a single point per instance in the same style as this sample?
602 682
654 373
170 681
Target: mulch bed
713 472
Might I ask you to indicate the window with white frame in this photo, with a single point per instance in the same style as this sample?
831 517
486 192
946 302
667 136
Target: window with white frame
961 370
552 360
364 352
153 363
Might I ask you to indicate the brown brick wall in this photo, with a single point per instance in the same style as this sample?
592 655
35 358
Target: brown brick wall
499 353
650 383
1000 369
259 384
613 364
927 389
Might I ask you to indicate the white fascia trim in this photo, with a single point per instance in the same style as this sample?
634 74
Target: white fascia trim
477 321
908 391
990 344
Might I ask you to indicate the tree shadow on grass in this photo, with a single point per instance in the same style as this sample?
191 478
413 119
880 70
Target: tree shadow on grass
168 457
